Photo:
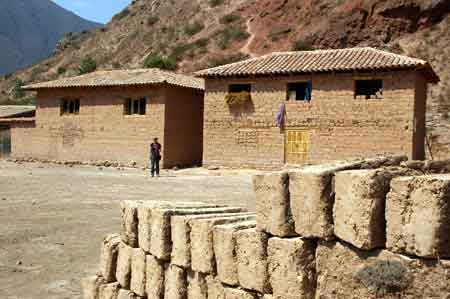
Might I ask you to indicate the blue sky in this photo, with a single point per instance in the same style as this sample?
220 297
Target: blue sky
94 10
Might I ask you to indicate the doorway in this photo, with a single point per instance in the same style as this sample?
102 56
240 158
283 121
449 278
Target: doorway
297 146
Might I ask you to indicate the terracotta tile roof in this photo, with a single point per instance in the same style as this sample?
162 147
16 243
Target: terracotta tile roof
15 110
339 60
122 78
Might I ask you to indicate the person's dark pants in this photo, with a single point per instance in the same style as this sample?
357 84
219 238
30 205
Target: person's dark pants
154 166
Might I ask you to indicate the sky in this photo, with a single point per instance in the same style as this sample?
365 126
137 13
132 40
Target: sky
94 10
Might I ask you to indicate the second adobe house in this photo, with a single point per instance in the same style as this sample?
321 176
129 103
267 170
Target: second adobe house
315 106
282 108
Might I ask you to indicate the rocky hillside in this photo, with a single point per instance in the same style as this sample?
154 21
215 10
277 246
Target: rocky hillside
29 30
189 35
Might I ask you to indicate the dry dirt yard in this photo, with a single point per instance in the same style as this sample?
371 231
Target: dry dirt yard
53 218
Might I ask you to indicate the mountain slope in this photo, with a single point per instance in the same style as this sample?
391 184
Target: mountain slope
202 33
30 29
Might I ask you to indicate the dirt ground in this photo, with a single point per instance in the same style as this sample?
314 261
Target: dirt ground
53 218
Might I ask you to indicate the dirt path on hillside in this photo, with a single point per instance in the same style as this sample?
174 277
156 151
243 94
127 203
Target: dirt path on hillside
246 48
53 218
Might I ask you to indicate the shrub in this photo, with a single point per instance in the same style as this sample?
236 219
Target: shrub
230 18
61 70
88 65
194 28
230 35
157 61
152 20
17 92
237 98
302 45
214 3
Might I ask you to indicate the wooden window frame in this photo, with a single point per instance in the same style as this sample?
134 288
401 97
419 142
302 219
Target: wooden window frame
70 107
135 106
288 91
372 96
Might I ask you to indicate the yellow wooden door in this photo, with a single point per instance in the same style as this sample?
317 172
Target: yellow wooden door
297 146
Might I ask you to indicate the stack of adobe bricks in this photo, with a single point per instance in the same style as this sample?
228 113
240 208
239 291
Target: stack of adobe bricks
377 228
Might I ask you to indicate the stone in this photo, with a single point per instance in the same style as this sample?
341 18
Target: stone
154 278
90 286
197 287
347 272
359 206
231 293
251 255
312 197
108 257
202 248
109 291
180 234
138 269
161 242
215 288
291 264
123 271
383 161
175 283
224 243
272 204
418 216
126 294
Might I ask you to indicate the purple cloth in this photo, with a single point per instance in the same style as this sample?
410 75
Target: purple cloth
280 116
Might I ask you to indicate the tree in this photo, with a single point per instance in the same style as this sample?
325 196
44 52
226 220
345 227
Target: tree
17 91
157 61
88 65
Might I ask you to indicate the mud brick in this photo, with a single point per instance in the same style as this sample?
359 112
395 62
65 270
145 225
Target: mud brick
202 247
175 283
272 204
215 288
197 287
224 243
231 293
291 264
90 286
359 206
418 216
109 291
138 268
180 234
161 243
312 197
346 272
108 257
154 278
129 218
252 260
123 271
144 222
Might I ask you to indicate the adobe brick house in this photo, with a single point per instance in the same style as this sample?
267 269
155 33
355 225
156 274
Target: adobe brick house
10 116
114 116
315 106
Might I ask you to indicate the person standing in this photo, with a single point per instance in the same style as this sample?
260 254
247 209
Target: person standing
155 157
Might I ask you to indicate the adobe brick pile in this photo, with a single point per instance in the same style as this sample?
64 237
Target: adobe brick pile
377 228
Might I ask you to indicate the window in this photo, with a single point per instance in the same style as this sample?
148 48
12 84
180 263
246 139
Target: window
135 106
234 88
369 89
300 91
70 106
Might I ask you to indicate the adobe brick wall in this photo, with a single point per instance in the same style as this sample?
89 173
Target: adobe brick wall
184 127
341 127
101 131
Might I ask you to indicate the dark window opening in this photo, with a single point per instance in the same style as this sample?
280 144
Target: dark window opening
369 89
240 88
135 106
70 106
300 91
